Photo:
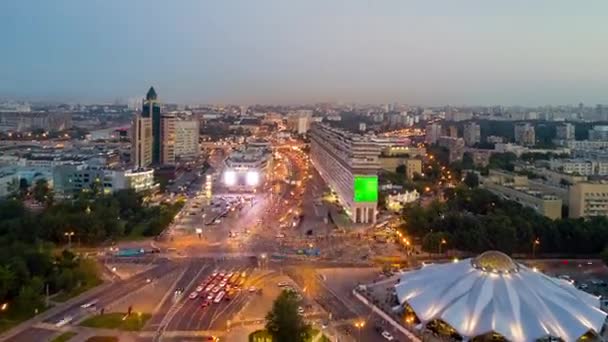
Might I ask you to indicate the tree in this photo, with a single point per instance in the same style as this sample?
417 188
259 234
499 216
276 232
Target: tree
41 191
283 321
604 255
471 180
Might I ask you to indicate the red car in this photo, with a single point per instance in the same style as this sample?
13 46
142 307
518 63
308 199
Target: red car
205 303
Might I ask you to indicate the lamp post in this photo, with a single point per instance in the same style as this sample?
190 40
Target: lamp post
442 242
69 235
535 243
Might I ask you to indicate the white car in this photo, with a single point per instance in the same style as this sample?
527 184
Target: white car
193 295
199 288
387 336
300 310
64 321
252 289
282 284
89 304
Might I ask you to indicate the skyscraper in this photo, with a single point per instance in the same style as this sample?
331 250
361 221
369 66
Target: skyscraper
141 149
151 109
153 134
167 139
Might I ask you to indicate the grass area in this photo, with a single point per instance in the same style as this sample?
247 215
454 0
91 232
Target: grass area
264 336
6 324
117 320
12 319
64 337
64 296
102 339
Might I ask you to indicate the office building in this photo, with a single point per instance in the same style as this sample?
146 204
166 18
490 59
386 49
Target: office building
299 121
458 116
524 134
153 134
598 133
517 188
565 132
471 134
454 145
349 164
433 132
151 109
588 199
69 180
167 139
141 142
186 139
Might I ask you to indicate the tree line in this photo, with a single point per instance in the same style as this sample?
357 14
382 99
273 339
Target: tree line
30 264
475 220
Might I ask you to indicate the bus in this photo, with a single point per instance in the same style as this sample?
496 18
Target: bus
130 252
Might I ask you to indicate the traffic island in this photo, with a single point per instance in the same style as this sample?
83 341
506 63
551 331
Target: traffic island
118 321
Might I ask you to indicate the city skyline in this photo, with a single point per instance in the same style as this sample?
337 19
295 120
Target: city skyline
432 53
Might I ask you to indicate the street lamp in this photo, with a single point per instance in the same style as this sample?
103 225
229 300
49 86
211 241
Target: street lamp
69 235
535 243
442 242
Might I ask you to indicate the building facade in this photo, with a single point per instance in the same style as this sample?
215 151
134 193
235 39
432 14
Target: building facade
141 142
598 133
471 134
167 139
524 134
341 158
186 139
433 132
565 131
588 199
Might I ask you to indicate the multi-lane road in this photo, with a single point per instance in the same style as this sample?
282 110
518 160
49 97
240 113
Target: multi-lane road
255 237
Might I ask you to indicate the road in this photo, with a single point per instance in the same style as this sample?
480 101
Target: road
260 235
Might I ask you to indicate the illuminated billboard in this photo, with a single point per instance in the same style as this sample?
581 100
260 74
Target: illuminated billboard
366 188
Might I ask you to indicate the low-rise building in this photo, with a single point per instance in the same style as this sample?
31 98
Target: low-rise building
588 200
69 180
516 188
581 167
396 201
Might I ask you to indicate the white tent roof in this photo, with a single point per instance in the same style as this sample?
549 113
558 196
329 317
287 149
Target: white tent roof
491 293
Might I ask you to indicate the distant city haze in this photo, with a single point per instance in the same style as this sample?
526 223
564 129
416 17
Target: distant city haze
286 52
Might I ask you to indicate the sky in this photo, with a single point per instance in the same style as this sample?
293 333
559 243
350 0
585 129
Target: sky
426 52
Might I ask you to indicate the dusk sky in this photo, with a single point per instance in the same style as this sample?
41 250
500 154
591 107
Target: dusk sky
287 51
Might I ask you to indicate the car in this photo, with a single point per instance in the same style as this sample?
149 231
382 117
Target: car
216 289
214 274
387 336
282 284
193 295
209 287
219 297
199 288
205 302
583 286
300 310
280 236
210 296
251 289
223 283
64 321
89 304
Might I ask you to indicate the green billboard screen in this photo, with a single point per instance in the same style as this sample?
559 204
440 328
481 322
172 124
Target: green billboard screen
366 188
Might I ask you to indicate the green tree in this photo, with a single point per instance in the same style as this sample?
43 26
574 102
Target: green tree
604 255
41 191
283 321
471 180
400 169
